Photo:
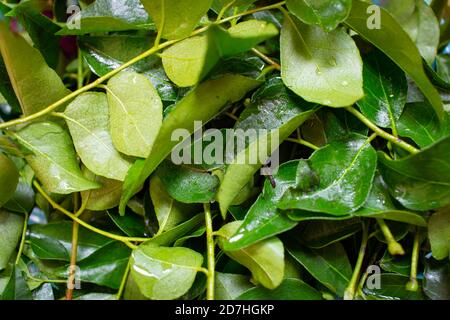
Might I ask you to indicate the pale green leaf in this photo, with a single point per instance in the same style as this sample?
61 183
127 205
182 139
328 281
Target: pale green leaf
10 228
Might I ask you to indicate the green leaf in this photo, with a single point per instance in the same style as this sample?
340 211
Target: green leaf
420 123
278 112
11 226
187 185
420 181
189 61
169 212
230 286
40 29
53 241
29 74
325 13
289 289
264 220
439 233
201 104
22 201
385 90
9 178
106 53
436 282
164 273
104 198
396 264
307 58
322 233
176 18
53 158
345 170
6 88
265 259
107 16
88 121
131 225
104 267
393 288
329 265
402 51
135 111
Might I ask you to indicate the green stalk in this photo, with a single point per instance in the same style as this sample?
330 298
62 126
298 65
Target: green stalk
124 280
351 288
394 247
210 253
402 144
413 284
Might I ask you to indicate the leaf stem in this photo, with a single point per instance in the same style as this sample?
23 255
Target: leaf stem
74 252
351 288
303 142
23 237
210 253
382 133
267 59
394 247
124 280
127 64
126 240
80 75
412 284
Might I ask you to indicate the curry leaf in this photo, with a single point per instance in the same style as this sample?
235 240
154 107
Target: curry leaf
53 158
88 121
8 179
135 111
164 273
308 58
265 259
11 228
327 14
289 289
439 233
106 197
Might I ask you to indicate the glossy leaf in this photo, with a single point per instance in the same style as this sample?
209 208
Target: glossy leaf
9 178
329 265
164 273
135 111
393 288
343 186
88 121
176 18
187 185
29 73
201 104
131 225
189 61
326 14
278 112
436 283
53 158
402 51
439 233
289 289
265 259
230 286
107 16
420 181
264 220
11 226
331 77
385 90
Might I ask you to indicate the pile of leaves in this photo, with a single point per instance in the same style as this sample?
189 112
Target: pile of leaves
94 207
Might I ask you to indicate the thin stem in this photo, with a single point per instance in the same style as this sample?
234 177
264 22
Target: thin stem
413 285
210 253
80 76
124 280
303 142
127 64
382 133
126 240
73 261
394 247
266 59
224 9
161 27
23 237
351 288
